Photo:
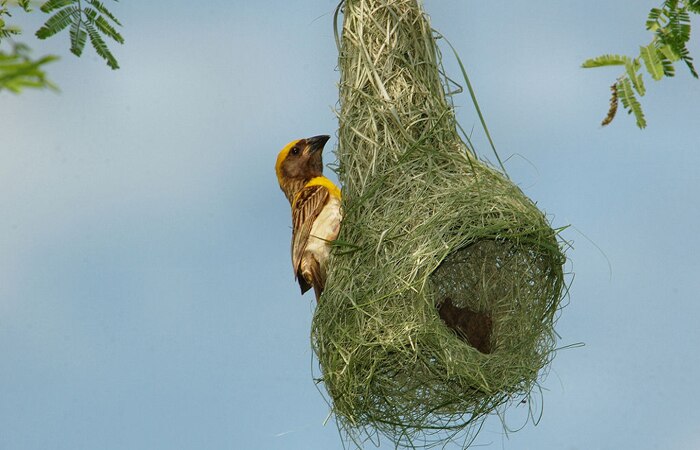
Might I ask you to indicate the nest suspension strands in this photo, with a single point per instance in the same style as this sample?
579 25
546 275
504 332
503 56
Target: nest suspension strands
445 280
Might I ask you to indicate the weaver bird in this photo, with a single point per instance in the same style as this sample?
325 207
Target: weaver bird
316 213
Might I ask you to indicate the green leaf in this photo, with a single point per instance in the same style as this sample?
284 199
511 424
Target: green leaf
55 4
103 25
653 19
78 37
100 47
58 22
693 6
9 32
108 30
688 60
651 61
18 72
680 24
668 53
103 10
87 22
636 78
669 68
629 101
606 60
26 5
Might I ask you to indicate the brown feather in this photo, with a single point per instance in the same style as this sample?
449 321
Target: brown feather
307 207
318 276
303 284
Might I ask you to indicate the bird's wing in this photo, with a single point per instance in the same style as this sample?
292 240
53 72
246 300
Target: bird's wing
307 207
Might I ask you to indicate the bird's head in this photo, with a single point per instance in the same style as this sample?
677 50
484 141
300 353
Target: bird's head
301 160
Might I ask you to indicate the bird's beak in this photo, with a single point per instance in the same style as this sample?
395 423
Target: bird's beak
316 143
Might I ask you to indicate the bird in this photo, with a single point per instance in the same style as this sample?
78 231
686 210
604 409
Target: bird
316 209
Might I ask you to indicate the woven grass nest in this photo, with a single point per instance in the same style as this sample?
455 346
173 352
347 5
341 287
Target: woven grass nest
445 281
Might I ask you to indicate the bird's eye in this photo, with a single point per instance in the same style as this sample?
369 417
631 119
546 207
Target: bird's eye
295 150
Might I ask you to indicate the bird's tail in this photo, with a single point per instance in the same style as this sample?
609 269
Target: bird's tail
318 279
313 274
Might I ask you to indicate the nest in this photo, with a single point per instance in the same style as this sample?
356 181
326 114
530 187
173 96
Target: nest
445 281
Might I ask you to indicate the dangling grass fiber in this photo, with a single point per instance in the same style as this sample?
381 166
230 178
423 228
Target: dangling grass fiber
425 220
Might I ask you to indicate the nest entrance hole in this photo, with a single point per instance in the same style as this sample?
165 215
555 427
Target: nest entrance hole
477 286
471 326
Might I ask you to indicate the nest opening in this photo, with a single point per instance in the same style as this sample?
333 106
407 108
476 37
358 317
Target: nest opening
476 291
473 327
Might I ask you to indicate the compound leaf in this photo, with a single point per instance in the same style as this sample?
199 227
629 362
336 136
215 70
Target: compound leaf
58 22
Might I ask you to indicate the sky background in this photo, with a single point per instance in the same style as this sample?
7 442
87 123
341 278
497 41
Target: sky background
146 295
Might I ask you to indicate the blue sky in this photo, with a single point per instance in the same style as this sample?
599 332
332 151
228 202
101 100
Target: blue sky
146 295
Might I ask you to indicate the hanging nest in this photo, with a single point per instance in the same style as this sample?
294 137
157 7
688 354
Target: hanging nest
445 281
